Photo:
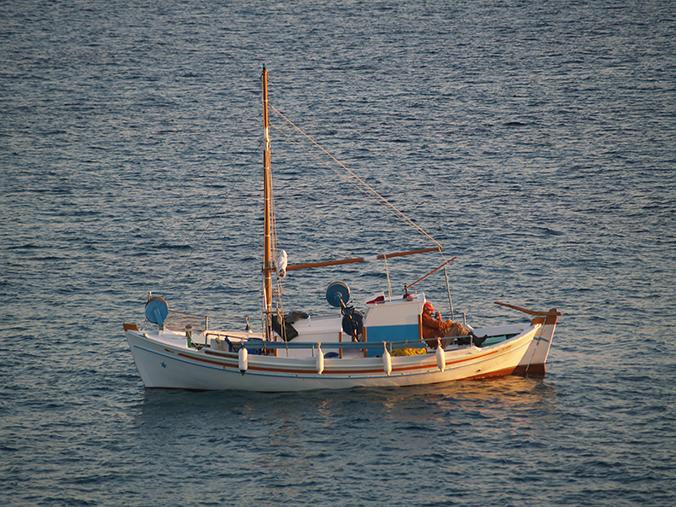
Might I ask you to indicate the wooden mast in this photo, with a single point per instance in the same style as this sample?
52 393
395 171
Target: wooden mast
267 221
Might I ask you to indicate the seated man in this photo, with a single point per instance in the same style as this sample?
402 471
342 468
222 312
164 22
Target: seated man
435 327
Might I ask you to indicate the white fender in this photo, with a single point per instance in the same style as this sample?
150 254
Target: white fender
319 359
243 359
387 360
281 263
441 357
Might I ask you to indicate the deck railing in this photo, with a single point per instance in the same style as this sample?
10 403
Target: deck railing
253 344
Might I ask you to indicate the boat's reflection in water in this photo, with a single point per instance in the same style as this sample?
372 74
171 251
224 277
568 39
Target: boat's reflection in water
306 437
446 406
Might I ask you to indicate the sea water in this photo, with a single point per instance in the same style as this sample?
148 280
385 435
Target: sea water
535 141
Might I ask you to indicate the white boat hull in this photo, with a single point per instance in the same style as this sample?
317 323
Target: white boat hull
164 363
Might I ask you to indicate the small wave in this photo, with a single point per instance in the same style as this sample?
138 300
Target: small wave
47 258
169 246
27 246
551 232
83 213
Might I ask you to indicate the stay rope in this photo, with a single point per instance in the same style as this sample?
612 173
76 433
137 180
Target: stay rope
360 181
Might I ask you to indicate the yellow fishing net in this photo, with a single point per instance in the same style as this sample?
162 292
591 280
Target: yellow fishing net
410 351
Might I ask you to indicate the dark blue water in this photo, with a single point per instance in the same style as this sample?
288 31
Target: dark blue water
536 142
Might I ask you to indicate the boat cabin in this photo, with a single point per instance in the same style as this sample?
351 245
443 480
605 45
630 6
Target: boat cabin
392 321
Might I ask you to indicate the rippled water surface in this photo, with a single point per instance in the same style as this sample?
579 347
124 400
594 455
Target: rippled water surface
536 142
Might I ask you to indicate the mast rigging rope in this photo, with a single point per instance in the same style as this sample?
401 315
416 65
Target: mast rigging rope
369 189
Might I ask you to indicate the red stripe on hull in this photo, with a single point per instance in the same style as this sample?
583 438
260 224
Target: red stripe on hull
217 363
228 355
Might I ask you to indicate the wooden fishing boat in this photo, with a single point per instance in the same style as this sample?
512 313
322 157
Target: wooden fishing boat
385 346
